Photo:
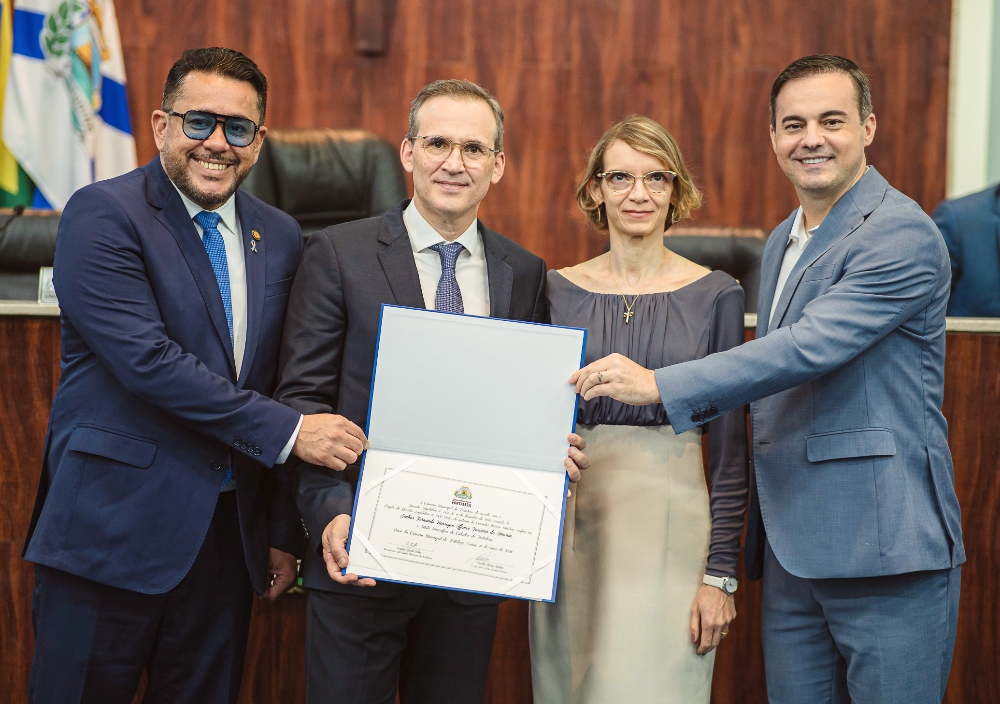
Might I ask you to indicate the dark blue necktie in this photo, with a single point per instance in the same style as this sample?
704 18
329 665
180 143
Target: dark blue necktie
449 295
216 248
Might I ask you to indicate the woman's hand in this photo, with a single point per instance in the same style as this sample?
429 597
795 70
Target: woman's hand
711 613
620 378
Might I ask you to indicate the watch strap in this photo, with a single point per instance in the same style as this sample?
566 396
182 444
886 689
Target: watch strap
719 582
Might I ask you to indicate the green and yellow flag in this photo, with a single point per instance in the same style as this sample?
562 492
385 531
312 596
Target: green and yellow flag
15 186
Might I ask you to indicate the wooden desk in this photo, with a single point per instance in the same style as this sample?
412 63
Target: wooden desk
29 372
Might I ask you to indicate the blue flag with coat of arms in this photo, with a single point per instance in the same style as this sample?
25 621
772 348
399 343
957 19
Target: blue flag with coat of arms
65 115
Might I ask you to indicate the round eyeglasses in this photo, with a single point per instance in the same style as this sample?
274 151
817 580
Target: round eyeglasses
239 131
623 181
440 148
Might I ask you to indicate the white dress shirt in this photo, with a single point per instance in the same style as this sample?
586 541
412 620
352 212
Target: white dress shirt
232 237
470 269
798 238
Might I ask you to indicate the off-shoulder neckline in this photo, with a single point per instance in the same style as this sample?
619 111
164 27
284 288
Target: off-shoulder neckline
641 295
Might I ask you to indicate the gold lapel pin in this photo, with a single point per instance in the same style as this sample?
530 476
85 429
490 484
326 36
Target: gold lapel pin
254 241
256 235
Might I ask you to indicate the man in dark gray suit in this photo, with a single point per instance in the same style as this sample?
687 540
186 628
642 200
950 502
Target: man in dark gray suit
429 252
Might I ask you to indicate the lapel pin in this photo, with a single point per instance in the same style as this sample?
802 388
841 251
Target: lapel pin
253 243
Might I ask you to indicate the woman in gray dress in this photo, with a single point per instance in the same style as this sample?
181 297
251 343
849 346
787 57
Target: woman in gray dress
635 618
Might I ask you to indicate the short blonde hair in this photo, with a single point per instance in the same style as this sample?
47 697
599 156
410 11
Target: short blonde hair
647 136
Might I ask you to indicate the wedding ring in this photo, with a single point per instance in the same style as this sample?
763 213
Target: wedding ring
600 380
723 633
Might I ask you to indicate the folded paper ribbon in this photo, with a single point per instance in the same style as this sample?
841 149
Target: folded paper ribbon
375 553
534 568
537 493
392 473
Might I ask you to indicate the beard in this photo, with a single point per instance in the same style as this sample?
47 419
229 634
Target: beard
176 166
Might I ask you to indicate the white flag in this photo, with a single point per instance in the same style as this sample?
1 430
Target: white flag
65 115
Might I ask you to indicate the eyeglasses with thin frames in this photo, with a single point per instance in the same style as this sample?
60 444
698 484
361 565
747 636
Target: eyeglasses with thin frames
440 148
623 181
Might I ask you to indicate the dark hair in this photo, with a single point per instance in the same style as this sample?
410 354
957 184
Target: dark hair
825 63
219 61
461 90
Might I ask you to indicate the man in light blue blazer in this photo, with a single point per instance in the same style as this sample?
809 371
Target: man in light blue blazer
854 522
971 229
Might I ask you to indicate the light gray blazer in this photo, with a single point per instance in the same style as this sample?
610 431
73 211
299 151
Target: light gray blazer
850 450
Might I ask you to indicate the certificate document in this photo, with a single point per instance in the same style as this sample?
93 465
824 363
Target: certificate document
464 486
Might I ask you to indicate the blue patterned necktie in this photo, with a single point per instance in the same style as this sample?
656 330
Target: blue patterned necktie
449 295
216 248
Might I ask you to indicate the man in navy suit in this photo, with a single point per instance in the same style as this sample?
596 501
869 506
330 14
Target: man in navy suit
853 519
162 504
971 229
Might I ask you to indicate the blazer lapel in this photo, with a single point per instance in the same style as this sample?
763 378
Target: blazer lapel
396 258
160 194
846 216
499 273
256 269
770 266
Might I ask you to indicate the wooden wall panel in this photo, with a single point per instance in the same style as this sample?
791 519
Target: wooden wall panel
29 373
564 70
971 400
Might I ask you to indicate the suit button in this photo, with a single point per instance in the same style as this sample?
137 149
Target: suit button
713 410
256 452
216 465
695 417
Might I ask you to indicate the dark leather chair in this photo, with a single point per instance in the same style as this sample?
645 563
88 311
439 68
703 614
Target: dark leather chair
324 177
26 244
734 250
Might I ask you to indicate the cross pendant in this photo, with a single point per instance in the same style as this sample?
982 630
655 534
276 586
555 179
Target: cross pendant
627 315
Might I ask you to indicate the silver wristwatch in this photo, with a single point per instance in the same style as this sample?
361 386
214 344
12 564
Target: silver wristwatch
726 584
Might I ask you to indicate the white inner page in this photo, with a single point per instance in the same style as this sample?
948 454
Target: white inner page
458 525
477 389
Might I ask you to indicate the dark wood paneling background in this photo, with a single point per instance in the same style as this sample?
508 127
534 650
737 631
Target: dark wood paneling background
29 349
564 70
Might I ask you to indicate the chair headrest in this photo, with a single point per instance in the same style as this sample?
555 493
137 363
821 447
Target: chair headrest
29 242
325 176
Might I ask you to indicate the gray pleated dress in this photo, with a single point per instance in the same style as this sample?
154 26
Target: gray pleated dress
640 528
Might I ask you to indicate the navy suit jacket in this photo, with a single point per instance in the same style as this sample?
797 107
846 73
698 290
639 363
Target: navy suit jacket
328 349
149 408
852 472
971 229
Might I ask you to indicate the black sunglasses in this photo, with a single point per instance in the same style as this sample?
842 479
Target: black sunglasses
239 131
